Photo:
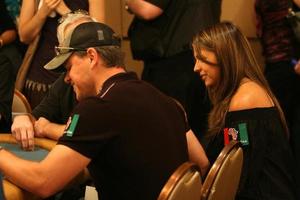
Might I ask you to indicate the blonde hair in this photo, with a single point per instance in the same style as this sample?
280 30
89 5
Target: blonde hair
70 21
236 61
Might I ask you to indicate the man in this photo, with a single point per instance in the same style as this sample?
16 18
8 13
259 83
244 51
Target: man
129 135
48 119
160 36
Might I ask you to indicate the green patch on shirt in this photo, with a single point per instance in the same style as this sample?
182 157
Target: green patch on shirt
244 140
72 126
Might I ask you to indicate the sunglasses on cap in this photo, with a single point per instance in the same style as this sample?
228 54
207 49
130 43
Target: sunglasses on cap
63 50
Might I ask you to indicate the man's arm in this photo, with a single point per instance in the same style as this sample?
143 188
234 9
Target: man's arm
45 128
143 9
196 152
57 105
47 177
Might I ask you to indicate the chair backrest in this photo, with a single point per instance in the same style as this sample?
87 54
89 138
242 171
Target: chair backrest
184 184
20 103
223 178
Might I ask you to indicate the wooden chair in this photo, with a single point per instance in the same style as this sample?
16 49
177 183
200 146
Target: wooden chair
20 103
223 178
184 184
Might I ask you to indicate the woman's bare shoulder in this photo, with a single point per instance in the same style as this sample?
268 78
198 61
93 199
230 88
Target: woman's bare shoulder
250 95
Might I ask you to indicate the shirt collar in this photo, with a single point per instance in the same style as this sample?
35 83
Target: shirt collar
123 76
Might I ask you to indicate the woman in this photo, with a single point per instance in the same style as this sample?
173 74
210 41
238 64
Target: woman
244 109
44 21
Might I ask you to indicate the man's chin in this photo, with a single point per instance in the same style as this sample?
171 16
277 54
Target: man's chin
78 97
81 97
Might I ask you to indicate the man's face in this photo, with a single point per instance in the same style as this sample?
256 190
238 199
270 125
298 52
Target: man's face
79 76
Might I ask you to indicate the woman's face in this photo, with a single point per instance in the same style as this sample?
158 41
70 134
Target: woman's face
207 67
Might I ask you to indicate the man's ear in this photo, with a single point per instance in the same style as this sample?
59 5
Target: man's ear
93 55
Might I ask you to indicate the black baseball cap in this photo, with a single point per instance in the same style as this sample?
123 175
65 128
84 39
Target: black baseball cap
83 36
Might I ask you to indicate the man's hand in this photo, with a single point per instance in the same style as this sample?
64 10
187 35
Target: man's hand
22 130
40 127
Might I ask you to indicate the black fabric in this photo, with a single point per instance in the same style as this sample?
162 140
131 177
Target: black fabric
171 32
175 77
172 73
6 93
10 61
58 103
282 80
135 137
268 167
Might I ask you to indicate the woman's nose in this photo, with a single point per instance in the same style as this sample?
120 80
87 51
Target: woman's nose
197 67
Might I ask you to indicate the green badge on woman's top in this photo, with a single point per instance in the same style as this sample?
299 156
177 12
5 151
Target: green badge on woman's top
244 140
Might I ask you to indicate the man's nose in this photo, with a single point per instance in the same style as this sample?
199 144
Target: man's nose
67 78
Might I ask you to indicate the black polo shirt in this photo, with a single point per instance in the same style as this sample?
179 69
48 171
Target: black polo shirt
134 134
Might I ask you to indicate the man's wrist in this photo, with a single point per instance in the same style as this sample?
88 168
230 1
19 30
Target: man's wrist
18 114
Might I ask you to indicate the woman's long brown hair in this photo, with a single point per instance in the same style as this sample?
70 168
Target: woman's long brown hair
236 61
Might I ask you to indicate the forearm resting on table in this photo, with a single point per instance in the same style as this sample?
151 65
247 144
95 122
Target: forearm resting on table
54 131
46 177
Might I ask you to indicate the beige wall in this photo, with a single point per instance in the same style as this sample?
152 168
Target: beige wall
119 19
240 12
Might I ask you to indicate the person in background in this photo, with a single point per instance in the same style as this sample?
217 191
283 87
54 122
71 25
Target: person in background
246 110
44 21
49 118
10 60
280 48
127 134
168 26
